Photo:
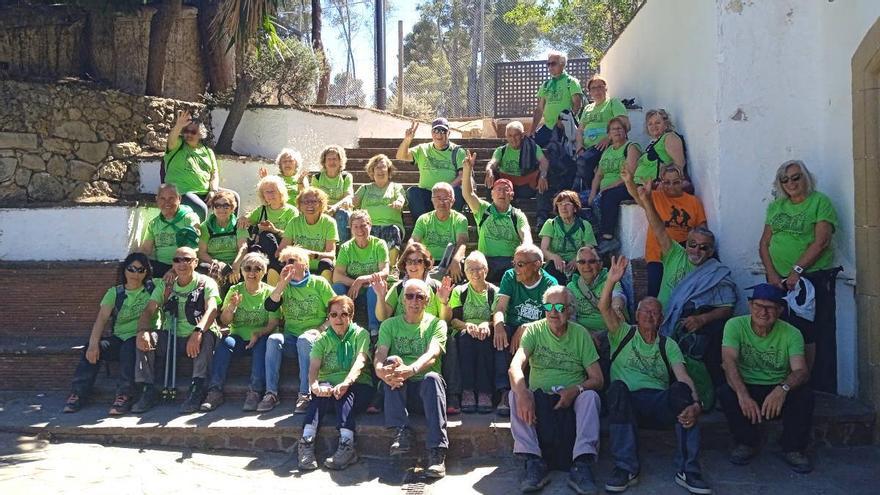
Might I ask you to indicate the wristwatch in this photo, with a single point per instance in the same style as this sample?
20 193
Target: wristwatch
200 330
785 387
797 269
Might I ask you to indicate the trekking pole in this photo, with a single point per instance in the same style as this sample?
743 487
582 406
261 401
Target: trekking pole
167 367
173 393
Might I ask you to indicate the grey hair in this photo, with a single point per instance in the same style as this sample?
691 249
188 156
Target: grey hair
649 299
256 259
530 249
295 155
418 283
443 186
704 232
563 58
278 182
516 125
167 186
476 257
806 175
559 289
590 248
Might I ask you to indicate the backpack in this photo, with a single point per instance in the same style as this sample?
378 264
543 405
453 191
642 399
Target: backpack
490 298
194 307
514 219
120 299
628 338
579 226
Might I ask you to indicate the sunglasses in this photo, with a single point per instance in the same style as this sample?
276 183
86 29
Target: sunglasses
671 182
190 131
589 262
135 269
290 261
520 264
702 246
419 297
551 63
415 261
785 178
222 206
252 269
344 314
440 131
181 259
559 307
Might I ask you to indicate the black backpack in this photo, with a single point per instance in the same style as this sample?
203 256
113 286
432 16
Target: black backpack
194 307
490 298
514 218
120 299
628 338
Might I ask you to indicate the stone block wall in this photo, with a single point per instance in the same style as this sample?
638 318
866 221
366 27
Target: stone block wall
72 142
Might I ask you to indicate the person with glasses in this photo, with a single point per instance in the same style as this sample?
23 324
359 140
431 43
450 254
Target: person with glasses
222 243
522 162
555 419
121 308
666 148
797 243
443 231
767 379
650 387
249 327
292 172
594 120
519 301
190 165
339 186
384 201
189 305
267 222
175 226
313 231
339 379
438 161
303 299
563 235
408 361
560 93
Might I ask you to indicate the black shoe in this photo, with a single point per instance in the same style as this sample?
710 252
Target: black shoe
149 398
436 463
693 483
742 454
798 461
621 479
580 479
536 476
195 397
401 443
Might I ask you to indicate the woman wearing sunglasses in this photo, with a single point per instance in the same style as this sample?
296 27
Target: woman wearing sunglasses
222 244
339 378
121 307
796 244
666 148
313 231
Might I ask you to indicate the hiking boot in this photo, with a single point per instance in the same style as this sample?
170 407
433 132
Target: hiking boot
621 479
436 463
580 479
453 407
270 400
306 454
212 400
344 456
194 398
484 403
73 404
302 404
468 402
536 476
121 405
798 461
503 408
742 454
148 399
693 483
401 443
251 401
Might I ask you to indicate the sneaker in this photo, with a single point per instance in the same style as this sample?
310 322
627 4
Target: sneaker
453 407
194 398
484 403
121 405
580 479
251 401
73 404
344 456
742 454
798 461
468 402
536 476
302 404
212 400
436 463
148 399
621 479
693 483
401 443
270 400
503 408
306 454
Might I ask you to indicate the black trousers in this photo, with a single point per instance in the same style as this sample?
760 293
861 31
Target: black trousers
112 349
797 416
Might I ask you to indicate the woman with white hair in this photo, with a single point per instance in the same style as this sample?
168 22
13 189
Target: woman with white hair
266 223
291 171
796 244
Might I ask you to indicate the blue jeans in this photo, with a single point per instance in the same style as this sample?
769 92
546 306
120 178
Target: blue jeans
341 217
419 201
234 346
353 403
285 344
427 396
372 322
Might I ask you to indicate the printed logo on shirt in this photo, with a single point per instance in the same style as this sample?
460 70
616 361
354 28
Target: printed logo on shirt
785 222
475 308
407 346
761 360
546 358
646 364
358 268
529 311
678 218
500 229
250 317
303 307
226 243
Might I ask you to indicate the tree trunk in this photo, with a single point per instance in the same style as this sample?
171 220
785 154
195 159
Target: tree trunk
219 62
244 89
473 96
160 33
318 46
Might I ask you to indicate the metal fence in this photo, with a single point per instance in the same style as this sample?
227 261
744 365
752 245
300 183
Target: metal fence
517 83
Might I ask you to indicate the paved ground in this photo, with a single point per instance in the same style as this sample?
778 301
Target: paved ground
30 465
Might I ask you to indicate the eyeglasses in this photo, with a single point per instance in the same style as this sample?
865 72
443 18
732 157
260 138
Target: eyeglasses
181 259
476 269
597 86
794 178
559 307
437 130
290 261
671 182
593 261
702 246
411 295
252 269
344 314
190 131
551 63
222 206
442 199
565 203
309 201
520 264
415 261
652 312
763 308
135 269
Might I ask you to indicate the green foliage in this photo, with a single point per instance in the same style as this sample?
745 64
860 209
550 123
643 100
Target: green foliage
347 90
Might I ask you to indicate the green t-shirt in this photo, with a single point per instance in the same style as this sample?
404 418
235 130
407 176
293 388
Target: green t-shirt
334 368
498 234
647 169
184 326
525 304
377 200
279 218
364 261
126 323
587 303
794 228
476 308
436 165
676 266
557 361
763 360
557 93
312 237
223 246
507 159
292 185
251 315
305 308
595 117
612 162
410 340
640 365
190 169
163 233
435 234
580 234
336 187
393 298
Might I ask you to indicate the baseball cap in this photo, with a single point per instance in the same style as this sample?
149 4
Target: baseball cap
499 182
440 123
767 292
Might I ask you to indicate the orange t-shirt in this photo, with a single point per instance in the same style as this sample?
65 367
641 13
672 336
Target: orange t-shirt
679 214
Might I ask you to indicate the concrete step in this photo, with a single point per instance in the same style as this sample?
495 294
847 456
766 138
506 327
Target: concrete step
484 152
408 175
393 143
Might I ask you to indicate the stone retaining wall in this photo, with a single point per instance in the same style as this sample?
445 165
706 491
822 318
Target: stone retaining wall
70 141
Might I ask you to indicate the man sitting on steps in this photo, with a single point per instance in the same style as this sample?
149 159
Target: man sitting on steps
444 226
523 163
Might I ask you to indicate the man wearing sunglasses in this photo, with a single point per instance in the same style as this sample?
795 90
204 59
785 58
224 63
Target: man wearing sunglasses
438 161
556 411
561 92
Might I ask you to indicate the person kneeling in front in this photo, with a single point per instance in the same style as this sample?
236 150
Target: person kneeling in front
557 411
408 362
